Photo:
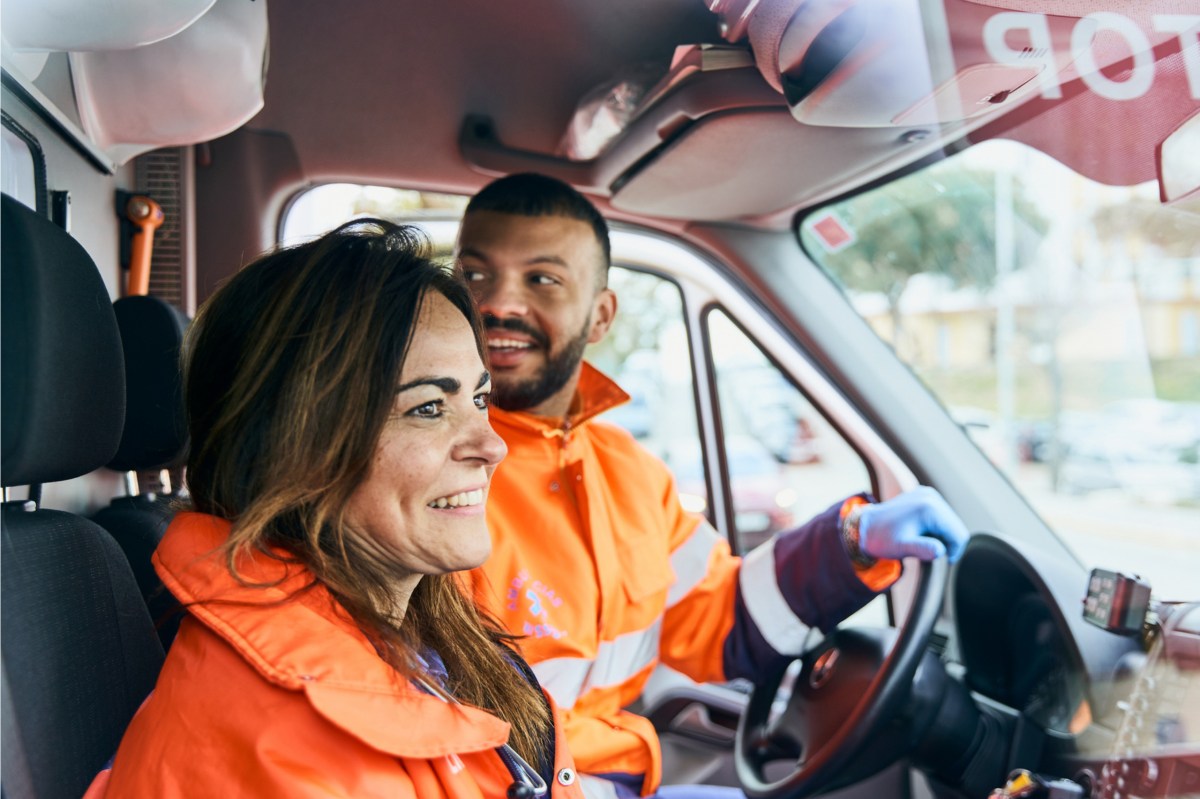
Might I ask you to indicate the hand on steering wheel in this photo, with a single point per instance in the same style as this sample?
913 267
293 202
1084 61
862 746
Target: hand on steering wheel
916 524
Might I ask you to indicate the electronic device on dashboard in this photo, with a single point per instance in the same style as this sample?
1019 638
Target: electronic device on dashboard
1154 749
1116 602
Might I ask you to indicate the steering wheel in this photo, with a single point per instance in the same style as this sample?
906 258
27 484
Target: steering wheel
849 687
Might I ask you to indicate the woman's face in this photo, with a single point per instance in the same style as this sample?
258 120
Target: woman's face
421 507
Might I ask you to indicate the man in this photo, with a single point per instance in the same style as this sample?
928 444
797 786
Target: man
594 561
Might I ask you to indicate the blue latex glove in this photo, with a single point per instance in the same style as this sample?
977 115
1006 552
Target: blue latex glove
916 524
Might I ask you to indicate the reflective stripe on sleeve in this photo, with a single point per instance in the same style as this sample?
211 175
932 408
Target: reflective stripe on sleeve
690 561
770 612
596 788
616 662
563 678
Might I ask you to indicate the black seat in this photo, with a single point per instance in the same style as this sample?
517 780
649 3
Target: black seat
154 438
79 651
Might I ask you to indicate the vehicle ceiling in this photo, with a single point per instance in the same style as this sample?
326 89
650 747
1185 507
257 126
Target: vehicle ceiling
377 92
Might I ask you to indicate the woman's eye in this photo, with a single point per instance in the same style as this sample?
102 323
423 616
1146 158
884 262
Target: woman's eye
482 401
429 410
472 275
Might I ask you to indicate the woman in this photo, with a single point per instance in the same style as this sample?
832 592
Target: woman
337 405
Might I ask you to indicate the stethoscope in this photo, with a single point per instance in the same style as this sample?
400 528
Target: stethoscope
527 783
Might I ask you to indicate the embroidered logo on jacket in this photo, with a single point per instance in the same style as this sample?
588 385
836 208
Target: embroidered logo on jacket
534 598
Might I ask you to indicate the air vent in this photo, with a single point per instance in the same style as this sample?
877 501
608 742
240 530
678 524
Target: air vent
165 175
938 644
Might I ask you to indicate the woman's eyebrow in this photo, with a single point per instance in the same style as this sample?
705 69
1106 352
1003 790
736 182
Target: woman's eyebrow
446 384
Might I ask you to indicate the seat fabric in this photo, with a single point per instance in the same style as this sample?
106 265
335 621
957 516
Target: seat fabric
77 646
138 524
155 437
80 653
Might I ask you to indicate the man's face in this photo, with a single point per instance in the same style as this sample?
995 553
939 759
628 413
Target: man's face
535 279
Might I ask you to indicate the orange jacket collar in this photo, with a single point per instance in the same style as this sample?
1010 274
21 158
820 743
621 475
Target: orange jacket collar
306 642
595 394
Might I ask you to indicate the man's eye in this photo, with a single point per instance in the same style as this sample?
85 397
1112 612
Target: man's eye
482 401
428 410
543 280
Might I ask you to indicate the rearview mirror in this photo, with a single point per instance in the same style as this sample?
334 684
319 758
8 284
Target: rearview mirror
1179 168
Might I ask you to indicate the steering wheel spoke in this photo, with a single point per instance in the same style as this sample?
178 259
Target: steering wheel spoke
850 686
772 745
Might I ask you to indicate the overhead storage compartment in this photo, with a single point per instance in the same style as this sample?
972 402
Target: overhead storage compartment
122 77
79 25
195 86
680 100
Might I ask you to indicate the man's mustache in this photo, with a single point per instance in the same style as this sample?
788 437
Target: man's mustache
516 325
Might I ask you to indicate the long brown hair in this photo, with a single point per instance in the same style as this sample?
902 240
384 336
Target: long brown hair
290 371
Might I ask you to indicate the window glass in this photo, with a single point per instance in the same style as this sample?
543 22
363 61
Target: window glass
786 462
322 208
17 169
646 351
1056 319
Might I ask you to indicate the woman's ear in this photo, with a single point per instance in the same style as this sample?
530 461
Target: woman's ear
604 309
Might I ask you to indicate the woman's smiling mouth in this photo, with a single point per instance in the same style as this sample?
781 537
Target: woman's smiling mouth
465 499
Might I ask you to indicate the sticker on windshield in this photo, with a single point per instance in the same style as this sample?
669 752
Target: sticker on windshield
833 234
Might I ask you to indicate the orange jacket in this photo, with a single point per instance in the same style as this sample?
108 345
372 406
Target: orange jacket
286 697
595 562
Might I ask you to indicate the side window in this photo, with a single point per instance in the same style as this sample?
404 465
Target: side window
786 462
22 166
646 351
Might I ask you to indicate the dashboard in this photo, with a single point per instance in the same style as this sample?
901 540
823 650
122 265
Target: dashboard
1119 714
1157 747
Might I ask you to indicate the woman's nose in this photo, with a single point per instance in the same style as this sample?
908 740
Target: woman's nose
484 444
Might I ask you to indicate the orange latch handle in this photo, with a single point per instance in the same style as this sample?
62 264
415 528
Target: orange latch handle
146 215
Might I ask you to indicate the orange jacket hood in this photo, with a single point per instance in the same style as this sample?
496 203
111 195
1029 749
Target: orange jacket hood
287 642
270 690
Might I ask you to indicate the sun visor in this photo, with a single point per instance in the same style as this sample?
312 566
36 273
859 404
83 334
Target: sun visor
882 63
899 63
755 164
195 86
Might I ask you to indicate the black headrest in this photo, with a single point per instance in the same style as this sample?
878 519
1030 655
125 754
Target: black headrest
155 434
63 390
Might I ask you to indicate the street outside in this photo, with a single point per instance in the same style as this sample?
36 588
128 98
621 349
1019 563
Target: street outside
1110 530
1105 529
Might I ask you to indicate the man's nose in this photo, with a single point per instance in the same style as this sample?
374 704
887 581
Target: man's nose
502 297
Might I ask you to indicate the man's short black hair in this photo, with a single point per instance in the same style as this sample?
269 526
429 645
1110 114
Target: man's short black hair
531 194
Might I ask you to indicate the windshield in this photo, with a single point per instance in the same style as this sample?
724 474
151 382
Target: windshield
1058 321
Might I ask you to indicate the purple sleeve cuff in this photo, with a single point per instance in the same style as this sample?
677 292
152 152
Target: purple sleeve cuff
815 578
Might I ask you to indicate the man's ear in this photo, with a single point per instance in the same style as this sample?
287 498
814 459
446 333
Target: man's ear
604 309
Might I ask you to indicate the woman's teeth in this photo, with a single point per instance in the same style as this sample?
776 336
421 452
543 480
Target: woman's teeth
459 500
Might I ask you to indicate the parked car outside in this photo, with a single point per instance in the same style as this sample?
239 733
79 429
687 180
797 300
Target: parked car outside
763 499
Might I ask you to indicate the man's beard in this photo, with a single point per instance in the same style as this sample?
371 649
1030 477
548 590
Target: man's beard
521 395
